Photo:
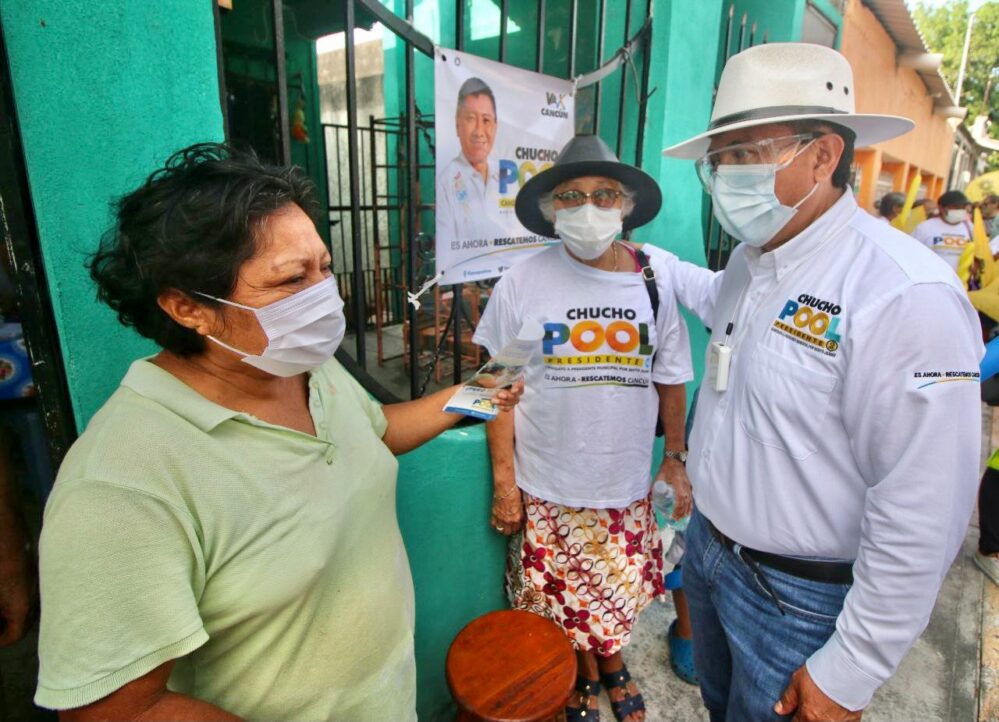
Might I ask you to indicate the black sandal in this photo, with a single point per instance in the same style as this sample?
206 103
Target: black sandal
586 688
631 703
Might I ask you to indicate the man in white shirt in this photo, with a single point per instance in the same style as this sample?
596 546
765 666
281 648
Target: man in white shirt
950 233
468 200
835 448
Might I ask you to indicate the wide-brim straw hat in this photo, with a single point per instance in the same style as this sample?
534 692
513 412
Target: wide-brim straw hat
588 155
786 82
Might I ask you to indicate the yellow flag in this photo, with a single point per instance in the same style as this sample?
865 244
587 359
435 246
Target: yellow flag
917 216
987 300
967 268
983 254
910 199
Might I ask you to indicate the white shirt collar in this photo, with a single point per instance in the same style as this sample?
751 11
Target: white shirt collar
787 256
491 164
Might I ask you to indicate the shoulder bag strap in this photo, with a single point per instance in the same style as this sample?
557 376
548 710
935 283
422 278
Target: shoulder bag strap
649 276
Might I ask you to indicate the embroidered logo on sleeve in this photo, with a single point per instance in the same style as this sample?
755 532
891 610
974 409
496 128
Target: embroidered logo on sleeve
921 380
460 190
811 322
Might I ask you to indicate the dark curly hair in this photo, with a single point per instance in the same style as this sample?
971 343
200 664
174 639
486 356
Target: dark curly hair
189 227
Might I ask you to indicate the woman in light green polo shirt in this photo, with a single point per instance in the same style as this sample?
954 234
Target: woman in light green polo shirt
221 542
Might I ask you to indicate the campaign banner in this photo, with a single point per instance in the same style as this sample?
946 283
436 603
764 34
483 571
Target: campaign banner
496 126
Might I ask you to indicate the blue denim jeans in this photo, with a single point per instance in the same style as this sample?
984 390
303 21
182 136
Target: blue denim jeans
745 650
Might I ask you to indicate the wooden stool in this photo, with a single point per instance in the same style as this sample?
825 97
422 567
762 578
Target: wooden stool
511 666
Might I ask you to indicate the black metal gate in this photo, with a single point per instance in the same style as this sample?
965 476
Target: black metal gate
381 208
718 244
24 264
381 217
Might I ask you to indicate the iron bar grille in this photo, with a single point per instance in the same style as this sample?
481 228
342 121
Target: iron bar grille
737 36
380 179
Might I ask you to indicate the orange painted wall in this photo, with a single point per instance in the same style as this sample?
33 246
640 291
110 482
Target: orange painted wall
883 87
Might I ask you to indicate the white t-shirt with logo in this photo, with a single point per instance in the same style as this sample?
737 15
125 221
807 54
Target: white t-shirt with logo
585 425
948 241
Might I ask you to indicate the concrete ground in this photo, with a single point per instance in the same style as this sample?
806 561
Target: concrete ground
951 673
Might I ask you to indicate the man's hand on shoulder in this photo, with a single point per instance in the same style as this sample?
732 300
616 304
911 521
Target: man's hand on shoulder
808 703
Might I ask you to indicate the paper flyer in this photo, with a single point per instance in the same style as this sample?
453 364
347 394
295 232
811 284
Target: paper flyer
474 398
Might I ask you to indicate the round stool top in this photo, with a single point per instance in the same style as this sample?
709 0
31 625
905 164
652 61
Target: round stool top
511 666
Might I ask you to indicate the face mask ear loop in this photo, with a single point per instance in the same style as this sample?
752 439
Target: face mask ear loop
235 305
788 164
807 196
227 303
226 346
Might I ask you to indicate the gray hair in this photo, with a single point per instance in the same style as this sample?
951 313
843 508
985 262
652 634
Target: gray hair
474 86
546 203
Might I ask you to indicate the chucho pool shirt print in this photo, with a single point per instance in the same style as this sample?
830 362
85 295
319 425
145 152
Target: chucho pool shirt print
586 422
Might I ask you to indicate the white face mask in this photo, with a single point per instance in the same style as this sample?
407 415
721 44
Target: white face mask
588 231
303 330
956 215
746 205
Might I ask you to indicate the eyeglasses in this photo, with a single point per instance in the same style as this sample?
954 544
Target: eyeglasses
601 197
779 152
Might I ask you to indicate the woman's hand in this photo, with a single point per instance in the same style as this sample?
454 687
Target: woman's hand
508 511
675 474
411 423
506 399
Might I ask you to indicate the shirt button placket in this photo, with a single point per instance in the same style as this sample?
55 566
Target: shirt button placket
316 407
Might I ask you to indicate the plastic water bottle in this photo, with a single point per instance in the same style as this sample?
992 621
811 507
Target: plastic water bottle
664 500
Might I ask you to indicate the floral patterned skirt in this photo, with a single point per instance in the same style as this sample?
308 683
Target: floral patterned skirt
591 571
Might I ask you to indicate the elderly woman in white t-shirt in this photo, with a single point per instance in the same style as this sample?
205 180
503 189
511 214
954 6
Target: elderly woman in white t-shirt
571 469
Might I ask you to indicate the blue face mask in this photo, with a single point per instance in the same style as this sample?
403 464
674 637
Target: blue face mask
746 205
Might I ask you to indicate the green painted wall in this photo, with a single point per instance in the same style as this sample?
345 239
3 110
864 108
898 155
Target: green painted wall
444 501
104 93
683 70
779 20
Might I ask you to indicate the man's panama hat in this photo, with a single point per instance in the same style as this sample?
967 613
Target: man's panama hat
785 82
587 155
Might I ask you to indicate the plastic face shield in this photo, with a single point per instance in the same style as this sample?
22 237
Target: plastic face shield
777 153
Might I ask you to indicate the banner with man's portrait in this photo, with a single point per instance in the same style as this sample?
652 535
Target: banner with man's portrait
496 126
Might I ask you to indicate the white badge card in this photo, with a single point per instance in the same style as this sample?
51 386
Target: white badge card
719 360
